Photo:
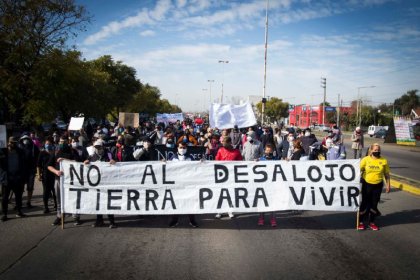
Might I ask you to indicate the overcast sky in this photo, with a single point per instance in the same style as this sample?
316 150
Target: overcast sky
177 45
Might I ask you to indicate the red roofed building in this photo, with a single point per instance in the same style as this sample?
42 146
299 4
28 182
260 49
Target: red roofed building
306 115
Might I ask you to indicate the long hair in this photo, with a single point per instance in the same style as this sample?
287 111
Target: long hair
369 152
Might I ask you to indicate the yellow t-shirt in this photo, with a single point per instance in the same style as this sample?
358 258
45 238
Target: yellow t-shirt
374 169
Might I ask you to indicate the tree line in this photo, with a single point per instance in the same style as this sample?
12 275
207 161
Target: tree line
42 78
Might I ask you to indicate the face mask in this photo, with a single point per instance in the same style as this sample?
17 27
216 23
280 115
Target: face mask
376 154
328 143
249 139
182 151
169 145
307 134
146 145
26 142
99 151
269 155
118 145
74 145
290 138
48 147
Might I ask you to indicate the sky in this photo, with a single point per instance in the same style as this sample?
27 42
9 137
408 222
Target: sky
367 49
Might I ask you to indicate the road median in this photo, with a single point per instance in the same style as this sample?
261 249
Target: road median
405 184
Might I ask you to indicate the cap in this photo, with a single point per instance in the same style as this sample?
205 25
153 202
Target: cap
25 136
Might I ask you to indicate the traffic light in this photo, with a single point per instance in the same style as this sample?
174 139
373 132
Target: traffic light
323 82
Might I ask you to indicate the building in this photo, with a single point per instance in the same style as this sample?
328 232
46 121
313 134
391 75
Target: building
306 115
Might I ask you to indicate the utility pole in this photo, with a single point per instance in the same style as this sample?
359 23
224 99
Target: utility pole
210 81
324 86
223 76
338 111
265 64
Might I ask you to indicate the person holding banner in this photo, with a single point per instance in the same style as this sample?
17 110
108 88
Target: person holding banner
373 170
64 152
182 155
268 155
101 154
227 152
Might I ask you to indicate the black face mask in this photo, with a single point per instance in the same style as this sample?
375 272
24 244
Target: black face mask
269 155
376 154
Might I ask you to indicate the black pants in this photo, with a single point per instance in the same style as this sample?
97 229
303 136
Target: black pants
17 189
100 219
48 191
371 195
175 218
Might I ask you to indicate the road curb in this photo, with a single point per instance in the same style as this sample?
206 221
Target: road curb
412 187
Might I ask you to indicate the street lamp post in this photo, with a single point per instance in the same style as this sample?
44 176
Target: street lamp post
210 81
359 104
223 75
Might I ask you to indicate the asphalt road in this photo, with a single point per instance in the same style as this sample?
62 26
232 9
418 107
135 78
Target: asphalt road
305 245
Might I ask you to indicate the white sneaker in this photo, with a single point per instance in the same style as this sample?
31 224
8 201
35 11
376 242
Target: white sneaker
218 216
231 215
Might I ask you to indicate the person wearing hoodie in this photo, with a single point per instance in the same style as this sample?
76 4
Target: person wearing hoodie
252 149
31 152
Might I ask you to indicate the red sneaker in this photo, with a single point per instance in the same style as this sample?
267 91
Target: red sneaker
374 227
361 226
273 222
261 221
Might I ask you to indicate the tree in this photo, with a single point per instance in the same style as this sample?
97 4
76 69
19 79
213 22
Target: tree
121 80
29 30
275 108
407 102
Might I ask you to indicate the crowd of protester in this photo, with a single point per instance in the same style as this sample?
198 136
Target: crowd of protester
29 157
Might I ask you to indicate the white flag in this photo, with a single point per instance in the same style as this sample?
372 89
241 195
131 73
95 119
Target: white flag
225 116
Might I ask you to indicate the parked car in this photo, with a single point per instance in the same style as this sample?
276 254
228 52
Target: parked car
375 128
381 133
61 125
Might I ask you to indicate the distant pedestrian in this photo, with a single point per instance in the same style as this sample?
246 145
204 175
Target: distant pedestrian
357 143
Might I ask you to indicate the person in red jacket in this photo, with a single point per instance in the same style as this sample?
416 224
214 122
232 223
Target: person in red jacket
227 152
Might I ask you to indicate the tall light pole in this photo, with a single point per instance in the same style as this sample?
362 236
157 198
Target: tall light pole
223 76
265 64
324 85
204 99
359 104
210 81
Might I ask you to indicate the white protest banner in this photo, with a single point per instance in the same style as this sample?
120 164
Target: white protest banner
225 116
169 118
3 137
76 123
147 188
129 119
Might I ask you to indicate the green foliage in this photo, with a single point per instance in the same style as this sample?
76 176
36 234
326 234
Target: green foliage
29 31
407 102
275 109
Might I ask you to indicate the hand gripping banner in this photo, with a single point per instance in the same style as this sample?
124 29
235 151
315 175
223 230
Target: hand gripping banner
195 187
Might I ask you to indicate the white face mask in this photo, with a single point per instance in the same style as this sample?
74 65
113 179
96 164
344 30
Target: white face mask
26 142
74 145
248 138
182 151
290 138
307 134
328 143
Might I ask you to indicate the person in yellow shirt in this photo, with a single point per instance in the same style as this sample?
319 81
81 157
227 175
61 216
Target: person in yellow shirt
373 169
